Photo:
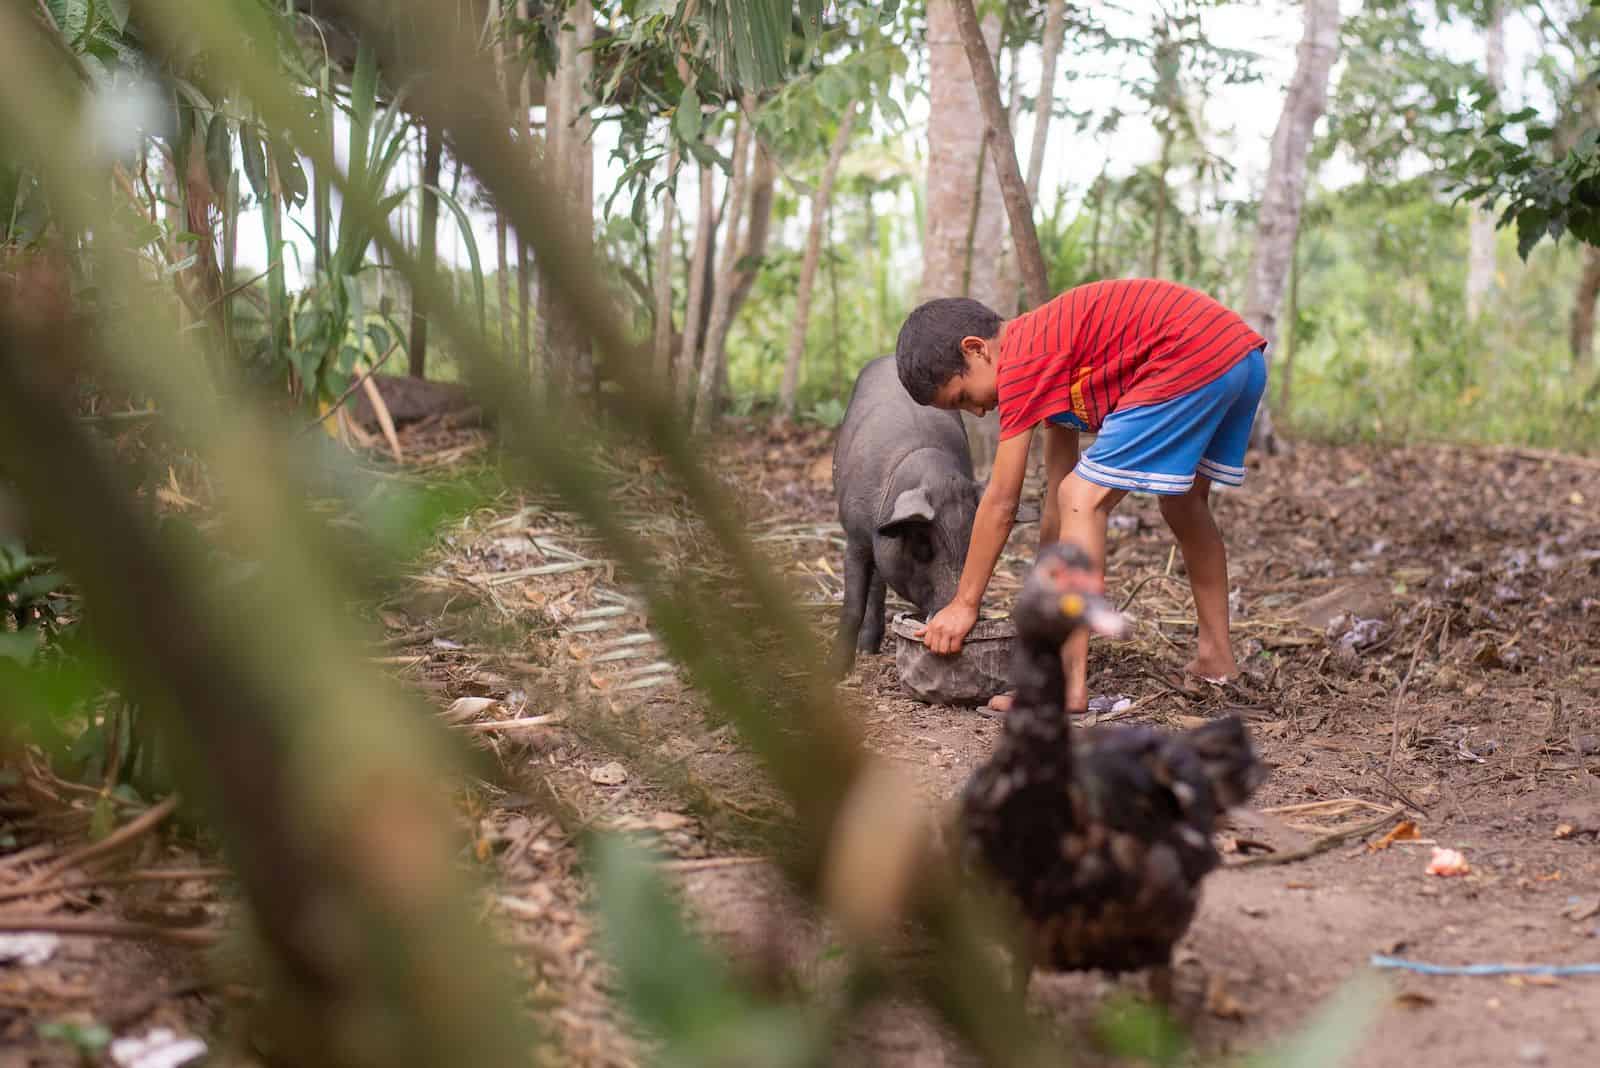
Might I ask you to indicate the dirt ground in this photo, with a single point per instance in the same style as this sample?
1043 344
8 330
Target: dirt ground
1418 629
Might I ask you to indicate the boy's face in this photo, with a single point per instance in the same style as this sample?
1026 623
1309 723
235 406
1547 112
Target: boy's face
975 391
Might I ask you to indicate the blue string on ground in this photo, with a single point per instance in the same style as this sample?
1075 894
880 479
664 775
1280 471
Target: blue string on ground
1422 968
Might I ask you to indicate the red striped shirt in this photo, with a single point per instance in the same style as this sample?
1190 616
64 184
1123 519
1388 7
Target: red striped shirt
1116 344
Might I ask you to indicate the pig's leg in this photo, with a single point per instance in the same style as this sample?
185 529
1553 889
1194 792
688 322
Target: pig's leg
871 639
857 578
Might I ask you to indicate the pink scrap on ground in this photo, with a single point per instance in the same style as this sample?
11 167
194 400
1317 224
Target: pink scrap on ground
1448 862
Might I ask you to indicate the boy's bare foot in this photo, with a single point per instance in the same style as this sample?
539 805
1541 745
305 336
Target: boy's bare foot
1212 669
1002 702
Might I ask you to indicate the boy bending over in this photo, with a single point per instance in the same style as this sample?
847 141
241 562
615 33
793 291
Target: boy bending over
1167 376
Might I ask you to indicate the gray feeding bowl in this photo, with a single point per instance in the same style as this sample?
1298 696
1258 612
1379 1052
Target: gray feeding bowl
970 677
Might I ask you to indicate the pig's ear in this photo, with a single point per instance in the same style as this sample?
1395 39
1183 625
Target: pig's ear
912 506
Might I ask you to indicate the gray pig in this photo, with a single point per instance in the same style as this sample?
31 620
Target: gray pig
903 476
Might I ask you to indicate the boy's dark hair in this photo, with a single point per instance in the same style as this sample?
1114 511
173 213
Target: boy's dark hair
928 352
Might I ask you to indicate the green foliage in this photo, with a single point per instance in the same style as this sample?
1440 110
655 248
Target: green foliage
1336 1032
1509 161
1382 347
31 594
1397 99
750 40
1131 1028
24 212
828 412
89 1039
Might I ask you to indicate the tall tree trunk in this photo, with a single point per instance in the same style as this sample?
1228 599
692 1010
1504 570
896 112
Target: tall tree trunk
1290 342
428 252
1580 334
1004 153
955 155
502 281
758 226
1160 225
979 170
705 405
1098 191
1480 229
502 263
1055 29
704 230
663 280
1003 175
1006 271
1285 192
581 150
820 197
569 162
524 259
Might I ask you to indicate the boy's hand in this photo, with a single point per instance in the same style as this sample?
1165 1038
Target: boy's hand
990 528
949 627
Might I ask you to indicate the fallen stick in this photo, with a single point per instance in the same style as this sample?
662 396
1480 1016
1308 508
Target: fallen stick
74 925
708 863
128 832
158 875
1323 844
489 726
23 858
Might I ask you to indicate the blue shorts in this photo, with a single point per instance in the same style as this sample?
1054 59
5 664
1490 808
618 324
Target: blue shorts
1159 448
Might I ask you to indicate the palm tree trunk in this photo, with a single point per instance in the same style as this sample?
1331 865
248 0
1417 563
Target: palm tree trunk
1055 26
820 197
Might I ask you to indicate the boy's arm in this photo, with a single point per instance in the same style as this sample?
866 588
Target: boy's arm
1060 457
997 511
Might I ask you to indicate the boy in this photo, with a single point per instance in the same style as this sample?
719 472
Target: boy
1168 377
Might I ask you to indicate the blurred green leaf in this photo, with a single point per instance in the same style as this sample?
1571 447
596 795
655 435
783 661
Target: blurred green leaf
89 1039
19 646
255 160
686 120
1336 1032
679 990
219 151
1128 1027
103 820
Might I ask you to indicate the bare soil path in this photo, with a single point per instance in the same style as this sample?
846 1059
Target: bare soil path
1420 628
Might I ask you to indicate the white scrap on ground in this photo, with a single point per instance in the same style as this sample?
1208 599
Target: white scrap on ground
28 948
161 1048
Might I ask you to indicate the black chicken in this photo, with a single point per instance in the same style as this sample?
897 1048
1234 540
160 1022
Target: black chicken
1102 839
